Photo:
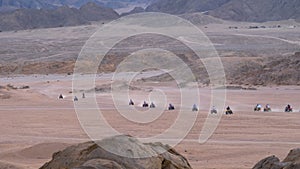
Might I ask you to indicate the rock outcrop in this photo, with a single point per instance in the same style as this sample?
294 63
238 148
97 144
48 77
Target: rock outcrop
118 152
292 161
266 71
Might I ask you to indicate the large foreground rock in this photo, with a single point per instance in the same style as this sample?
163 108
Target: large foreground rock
132 154
292 161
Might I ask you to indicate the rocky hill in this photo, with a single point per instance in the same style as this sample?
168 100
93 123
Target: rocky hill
283 70
23 14
6 5
257 61
48 18
258 10
135 155
253 71
134 11
184 6
93 12
292 161
201 19
237 10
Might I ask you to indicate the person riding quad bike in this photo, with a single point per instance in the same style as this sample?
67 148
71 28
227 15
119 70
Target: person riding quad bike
145 104
131 103
214 110
171 107
228 111
288 108
257 107
60 96
195 108
267 108
152 105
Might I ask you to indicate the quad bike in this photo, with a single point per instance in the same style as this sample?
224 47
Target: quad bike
228 112
195 108
288 109
131 103
266 109
60 96
152 105
214 111
257 109
145 104
171 107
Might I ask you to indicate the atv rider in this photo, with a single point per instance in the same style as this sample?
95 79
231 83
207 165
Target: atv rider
131 103
267 108
171 107
145 104
152 105
228 111
195 108
214 110
257 107
288 108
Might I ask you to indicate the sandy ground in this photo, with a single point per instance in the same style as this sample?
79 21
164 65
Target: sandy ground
35 124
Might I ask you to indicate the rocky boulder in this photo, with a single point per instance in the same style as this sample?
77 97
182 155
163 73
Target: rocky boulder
292 161
120 152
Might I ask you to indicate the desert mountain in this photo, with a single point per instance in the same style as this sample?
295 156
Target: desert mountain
201 19
258 10
6 5
281 70
47 18
93 12
134 11
237 10
185 6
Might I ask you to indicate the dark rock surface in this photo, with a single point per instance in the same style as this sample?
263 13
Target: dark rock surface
124 152
49 18
292 161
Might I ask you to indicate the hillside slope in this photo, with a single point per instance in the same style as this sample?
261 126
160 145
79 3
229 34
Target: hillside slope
237 10
184 6
62 16
6 5
258 10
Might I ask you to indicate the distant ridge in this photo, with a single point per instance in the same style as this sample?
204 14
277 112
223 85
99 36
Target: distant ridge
258 10
48 18
184 6
134 11
6 5
201 19
236 10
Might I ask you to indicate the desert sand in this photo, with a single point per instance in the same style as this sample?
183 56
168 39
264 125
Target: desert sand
35 123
